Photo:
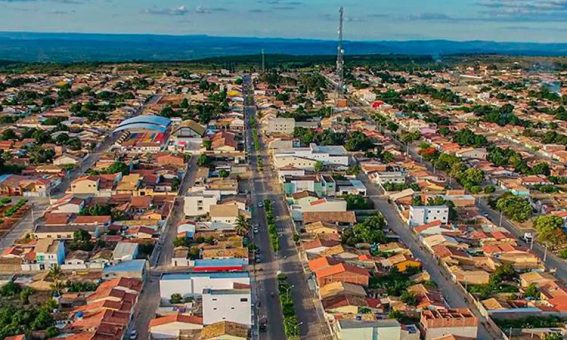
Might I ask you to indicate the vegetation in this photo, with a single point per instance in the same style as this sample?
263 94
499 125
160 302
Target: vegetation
291 323
514 207
400 186
394 283
357 202
550 230
501 281
13 209
271 223
368 231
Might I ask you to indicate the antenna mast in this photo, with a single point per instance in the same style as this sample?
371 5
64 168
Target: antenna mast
263 62
340 57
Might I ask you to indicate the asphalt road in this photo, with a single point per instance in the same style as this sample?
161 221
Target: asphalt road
449 289
266 186
26 224
160 260
267 306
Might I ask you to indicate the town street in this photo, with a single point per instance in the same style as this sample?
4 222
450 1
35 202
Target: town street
454 296
160 259
287 260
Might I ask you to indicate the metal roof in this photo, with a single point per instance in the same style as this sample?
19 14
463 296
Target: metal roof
145 122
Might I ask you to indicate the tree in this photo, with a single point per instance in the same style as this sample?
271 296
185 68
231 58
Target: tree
242 225
409 298
516 208
369 231
532 292
203 160
357 141
180 242
117 167
319 166
208 144
223 173
176 298
388 157
550 230
9 134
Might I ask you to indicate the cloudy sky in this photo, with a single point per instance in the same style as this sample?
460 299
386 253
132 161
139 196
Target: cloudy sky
501 20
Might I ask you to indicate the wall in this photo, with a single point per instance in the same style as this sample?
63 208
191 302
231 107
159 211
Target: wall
227 307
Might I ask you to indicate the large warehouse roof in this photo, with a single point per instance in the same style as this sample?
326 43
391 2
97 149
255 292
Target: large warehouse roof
145 122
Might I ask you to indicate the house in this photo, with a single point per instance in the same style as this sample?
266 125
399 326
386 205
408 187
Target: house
193 284
425 214
169 159
336 218
279 126
337 288
49 253
68 204
342 272
392 174
348 304
225 330
199 203
85 185
456 322
361 329
225 216
170 326
320 205
321 228
125 251
233 305
328 155
472 153
129 269
224 141
66 159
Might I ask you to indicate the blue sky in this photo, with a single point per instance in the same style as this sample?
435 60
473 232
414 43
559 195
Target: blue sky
500 20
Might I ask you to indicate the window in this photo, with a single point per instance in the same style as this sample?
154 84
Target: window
244 300
215 308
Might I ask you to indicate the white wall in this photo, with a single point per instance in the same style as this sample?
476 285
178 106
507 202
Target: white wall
232 306
198 205
195 286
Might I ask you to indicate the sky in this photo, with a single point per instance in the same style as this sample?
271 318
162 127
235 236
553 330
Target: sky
495 20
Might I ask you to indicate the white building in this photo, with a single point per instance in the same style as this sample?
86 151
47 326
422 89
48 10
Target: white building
192 284
125 251
227 305
279 126
199 203
328 154
425 214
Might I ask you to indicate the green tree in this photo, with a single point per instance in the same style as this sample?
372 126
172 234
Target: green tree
531 291
409 298
9 134
208 144
242 225
176 298
388 157
223 173
203 160
318 167
550 230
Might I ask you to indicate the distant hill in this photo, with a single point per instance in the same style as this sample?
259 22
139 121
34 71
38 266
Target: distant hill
75 47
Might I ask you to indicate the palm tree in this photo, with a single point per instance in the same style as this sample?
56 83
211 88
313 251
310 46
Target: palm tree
56 274
242 225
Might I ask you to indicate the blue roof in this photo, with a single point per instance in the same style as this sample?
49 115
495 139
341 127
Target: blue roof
4 177
126 266
216 275
220 262
146 122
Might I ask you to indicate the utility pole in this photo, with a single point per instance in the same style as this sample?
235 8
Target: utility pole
340 57
263 62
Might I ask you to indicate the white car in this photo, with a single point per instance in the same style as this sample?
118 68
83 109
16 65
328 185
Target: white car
260 204
133 335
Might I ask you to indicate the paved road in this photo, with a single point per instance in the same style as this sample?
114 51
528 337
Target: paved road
267 307
452 294
160 260
265 186
26 224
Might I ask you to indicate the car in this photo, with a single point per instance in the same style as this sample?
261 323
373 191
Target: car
258 260
255 230
260 204
133 334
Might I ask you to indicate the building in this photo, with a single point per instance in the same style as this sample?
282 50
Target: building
125 251
456 322
49 253
233 305
420 215
170 326
279 126
328 155
395 175
371 330
193 284
224 216
129 269
199 203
